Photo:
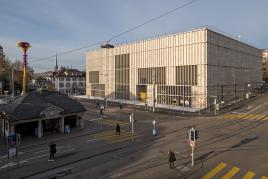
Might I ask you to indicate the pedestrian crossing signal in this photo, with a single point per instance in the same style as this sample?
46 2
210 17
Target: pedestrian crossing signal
192 134
196 135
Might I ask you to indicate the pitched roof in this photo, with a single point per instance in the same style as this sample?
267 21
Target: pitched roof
32 104
70 73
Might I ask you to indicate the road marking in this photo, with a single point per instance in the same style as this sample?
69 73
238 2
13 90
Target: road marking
231 116
239 116
111 137
231 173
261 116
126 138
120 122
249 175
266 118
249 116
214 171
36 157
255 109
91 140
257 116
8 165
41 151
3 156
90 120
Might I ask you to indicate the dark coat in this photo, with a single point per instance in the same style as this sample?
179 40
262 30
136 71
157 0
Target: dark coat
117 128
52 148
172 157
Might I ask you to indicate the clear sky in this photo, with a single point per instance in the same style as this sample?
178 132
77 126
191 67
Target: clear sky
53 26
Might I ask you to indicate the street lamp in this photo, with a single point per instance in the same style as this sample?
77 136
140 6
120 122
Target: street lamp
24 46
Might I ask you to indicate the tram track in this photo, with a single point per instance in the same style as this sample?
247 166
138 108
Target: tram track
144 144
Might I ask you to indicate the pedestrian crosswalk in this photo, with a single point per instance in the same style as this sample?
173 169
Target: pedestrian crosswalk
245 116
224 171
112 122
110 136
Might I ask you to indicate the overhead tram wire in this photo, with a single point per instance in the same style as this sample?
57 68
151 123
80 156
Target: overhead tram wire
65 52
119 34
151 20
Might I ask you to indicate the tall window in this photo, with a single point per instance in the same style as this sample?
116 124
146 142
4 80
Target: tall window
93 77
122 76
148 75
186 75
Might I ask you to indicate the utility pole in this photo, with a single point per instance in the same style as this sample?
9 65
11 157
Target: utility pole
12 83
153 89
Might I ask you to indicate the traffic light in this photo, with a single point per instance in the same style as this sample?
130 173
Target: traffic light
192 134
196 134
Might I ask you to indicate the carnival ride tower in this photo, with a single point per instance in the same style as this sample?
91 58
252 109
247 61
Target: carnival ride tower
24 46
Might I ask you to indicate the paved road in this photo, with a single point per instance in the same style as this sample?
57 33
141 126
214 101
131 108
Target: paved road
233 144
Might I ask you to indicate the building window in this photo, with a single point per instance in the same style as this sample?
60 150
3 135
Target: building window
80 78
74 84
174 95
93 77
81 84
61 79
150 75
68 79
68 85
74 79
61 85
122 76
186 75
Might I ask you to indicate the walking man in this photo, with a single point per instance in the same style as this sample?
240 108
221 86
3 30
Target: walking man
171 159
117 129
52 151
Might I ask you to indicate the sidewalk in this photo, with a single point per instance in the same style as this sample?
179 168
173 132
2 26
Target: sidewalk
30 141
188 112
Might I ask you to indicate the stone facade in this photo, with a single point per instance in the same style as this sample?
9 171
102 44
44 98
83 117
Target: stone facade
265 65
178 70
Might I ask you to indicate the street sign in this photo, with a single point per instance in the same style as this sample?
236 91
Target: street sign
12 140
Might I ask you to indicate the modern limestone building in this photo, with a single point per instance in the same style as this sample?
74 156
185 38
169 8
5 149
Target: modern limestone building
265 64
188 70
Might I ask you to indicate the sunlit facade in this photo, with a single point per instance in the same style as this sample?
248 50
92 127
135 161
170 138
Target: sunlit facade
186 70
265 64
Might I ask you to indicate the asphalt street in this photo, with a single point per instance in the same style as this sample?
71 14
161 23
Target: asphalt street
233 144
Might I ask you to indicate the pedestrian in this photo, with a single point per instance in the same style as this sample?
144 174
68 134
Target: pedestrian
102 107
98 103
121 105
52 151
171 159
101 112
117 129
